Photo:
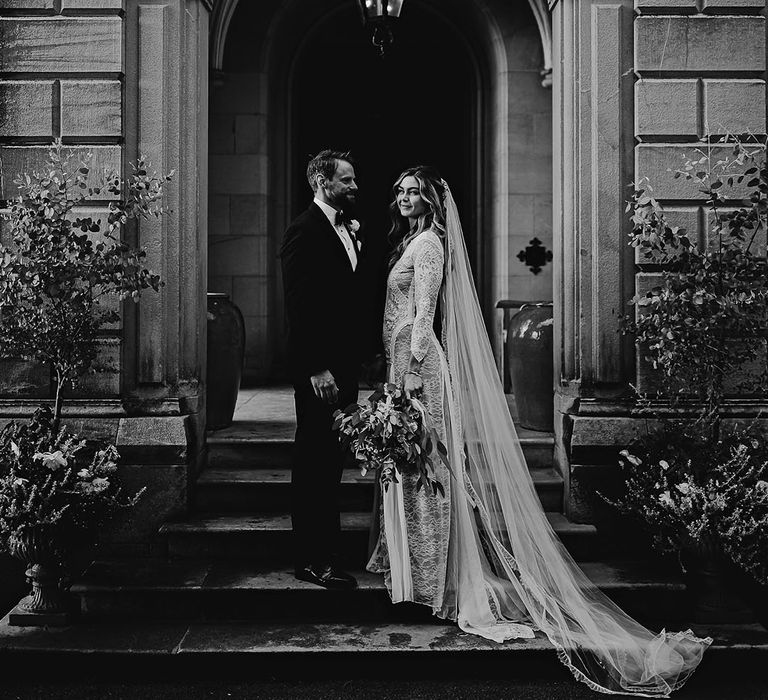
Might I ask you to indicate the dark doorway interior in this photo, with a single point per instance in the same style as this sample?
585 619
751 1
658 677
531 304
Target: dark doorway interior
418 104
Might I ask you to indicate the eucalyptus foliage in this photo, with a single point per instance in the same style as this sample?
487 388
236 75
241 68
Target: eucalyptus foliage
706 321
62 266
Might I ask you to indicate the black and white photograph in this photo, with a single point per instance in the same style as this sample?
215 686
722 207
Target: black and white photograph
383 349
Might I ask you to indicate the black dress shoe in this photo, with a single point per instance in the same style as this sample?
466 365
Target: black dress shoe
326 576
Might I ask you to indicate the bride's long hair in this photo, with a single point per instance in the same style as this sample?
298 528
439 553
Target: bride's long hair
432 191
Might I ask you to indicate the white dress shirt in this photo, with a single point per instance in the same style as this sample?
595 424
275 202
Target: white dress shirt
341 231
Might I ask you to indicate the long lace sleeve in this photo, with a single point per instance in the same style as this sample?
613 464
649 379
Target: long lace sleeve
427 277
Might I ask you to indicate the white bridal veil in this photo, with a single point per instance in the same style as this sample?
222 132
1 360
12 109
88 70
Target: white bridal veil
507 567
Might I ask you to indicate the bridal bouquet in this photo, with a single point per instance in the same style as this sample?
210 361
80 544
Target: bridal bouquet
390 435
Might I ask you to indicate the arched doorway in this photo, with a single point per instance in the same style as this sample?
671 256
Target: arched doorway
420 103
295 77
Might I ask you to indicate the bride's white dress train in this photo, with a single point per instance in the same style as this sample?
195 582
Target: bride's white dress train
485 554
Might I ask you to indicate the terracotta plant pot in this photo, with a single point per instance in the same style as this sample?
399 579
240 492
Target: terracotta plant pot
226 351
530 361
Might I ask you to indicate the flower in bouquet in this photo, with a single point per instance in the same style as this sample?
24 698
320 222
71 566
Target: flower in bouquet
390 434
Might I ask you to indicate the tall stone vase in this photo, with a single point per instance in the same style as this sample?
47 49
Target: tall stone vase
530 360
226 352
47 603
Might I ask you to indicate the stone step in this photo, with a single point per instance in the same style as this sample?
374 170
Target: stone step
177 651
224 590
268 444
267 536
236 489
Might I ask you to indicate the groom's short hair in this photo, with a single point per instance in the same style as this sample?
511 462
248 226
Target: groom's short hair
325 163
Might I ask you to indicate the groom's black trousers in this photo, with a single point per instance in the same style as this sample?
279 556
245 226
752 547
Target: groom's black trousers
318 462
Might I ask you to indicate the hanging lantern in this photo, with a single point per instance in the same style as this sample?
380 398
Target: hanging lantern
378 15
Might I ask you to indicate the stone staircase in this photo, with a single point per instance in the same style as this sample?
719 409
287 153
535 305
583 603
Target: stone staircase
230 558
223 586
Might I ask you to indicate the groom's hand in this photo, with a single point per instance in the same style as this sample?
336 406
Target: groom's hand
324 386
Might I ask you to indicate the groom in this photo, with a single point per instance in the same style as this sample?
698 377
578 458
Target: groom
327 287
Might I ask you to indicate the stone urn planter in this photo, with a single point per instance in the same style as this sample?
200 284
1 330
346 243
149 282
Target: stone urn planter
226 351
713 587
47 603
530 361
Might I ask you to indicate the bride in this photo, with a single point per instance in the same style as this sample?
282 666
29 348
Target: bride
484 554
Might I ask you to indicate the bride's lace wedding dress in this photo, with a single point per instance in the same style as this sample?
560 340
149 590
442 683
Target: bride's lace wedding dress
484 554
412 290
418 523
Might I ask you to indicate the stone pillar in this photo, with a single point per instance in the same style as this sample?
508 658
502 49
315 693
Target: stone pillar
166 120
592 59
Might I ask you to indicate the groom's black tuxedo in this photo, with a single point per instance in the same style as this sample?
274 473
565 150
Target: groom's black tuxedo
327 302
331 326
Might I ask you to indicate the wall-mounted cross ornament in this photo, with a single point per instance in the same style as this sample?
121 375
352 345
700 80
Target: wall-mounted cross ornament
535 256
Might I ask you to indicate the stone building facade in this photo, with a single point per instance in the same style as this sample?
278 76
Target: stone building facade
567 105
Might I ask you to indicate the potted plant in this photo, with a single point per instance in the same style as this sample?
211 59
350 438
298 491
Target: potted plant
56 279
705 502
700 481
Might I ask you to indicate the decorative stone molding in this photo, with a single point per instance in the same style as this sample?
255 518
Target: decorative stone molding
542 12
223 10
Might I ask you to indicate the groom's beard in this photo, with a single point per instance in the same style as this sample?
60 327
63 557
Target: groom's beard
344 203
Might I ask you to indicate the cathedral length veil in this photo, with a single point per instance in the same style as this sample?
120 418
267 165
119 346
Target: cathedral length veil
506 564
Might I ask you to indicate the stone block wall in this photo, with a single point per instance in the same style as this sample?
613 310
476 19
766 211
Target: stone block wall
239 262
530 170
698 74
61 73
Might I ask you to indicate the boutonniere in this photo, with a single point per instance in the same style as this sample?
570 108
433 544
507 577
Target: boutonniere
354 225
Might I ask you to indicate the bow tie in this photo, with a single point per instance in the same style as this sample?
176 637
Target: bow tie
342 218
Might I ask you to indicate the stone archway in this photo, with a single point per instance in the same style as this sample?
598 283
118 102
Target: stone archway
224 10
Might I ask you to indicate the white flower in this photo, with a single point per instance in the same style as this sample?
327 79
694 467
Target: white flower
664 464
761 487
15 449
100 484
665 499
84 473
51 460
636 461
684 488
354 225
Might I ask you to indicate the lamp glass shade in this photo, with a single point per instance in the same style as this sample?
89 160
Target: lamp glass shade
373 8
376 9
394 7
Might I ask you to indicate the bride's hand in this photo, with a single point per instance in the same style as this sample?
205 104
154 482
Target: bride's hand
412 384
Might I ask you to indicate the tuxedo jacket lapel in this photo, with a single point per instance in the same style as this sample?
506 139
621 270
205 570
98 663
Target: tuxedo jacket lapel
335 242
